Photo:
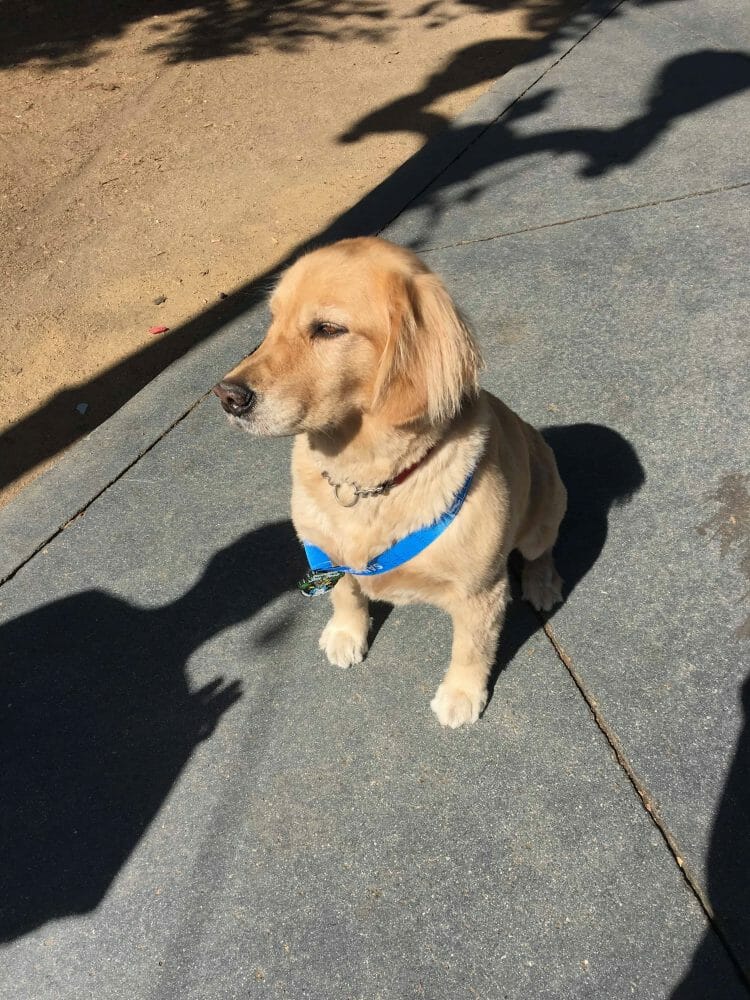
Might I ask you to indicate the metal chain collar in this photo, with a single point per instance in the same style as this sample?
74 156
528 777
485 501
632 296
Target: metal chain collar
357 490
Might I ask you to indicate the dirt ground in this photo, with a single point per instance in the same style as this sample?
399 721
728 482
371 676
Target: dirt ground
156 154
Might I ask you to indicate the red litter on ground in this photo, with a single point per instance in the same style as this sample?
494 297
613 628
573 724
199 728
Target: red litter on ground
158 329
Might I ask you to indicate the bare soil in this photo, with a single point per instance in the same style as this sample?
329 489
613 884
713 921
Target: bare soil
157 154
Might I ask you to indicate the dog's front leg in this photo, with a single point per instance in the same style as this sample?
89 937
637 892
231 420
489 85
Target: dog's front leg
344 639
476 627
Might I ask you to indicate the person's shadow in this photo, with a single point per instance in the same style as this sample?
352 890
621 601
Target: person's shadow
684 86
728 876
97 719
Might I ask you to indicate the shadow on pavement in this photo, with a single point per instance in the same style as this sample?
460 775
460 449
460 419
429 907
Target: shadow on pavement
98 720
601 470
686 85
728 872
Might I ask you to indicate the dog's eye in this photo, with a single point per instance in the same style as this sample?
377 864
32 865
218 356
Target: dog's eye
322 328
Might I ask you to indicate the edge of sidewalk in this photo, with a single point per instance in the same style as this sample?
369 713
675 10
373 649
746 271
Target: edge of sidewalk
94 463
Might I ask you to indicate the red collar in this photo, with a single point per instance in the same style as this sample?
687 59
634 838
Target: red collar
407 472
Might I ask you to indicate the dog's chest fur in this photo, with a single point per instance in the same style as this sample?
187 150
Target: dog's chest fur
352 536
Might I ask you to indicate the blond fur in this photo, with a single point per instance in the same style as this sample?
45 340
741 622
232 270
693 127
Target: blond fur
369 403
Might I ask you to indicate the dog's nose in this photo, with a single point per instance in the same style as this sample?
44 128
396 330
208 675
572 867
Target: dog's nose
235 399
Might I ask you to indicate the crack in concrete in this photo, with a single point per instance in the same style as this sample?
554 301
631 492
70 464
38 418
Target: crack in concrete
82 509
586 218
648 803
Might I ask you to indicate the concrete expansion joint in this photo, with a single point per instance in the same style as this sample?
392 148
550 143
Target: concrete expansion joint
115 479
585 218
646 800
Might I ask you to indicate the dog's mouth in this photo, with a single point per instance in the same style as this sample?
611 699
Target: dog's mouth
250 422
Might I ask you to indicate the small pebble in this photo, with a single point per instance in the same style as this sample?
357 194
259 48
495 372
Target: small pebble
82 407
160 300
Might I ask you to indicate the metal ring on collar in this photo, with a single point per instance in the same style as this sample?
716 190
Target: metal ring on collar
336 489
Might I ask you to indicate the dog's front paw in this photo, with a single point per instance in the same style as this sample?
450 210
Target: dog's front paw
454 707
343 645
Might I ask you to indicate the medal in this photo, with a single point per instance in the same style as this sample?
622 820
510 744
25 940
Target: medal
319 581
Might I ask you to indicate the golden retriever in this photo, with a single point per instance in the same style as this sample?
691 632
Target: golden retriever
368 362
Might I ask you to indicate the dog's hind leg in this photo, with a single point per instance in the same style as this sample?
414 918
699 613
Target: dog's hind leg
477 622
541 584
344 639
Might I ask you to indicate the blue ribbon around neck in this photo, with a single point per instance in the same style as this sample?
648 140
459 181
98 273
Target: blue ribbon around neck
398 554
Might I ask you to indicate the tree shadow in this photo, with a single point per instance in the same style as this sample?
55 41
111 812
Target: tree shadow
485 61
59 34
601 470
538 17
98 721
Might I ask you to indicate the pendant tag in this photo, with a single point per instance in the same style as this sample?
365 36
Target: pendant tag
319 581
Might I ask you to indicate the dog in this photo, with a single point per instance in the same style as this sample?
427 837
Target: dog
370 365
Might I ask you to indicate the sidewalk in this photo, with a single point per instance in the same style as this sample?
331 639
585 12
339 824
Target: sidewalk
195 805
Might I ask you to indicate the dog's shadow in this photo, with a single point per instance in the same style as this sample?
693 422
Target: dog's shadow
601 470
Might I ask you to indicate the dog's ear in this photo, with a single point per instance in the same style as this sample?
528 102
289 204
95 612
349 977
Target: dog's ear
430 361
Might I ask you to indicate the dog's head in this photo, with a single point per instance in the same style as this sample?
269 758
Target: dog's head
358 328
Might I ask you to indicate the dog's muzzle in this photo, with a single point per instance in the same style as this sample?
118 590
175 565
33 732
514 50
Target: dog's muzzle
235 399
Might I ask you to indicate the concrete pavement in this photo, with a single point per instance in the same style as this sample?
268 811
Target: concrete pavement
196 805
